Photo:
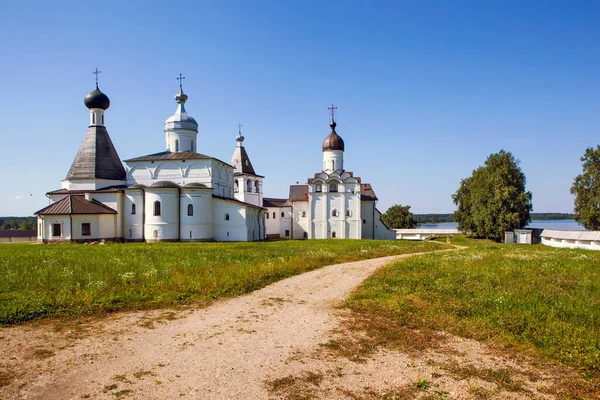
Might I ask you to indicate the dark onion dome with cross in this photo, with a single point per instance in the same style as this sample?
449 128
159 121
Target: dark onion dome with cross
95 98
333 141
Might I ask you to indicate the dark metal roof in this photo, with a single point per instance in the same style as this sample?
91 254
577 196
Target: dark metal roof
236 201
271 202
196 185
298 192
96 99
164 184
17 233
333 141
97 158
241 162
110 189
173 155
75 204
367 192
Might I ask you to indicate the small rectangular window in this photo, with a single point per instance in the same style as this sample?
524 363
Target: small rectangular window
267 215
86 229
287 233
273 215
56 230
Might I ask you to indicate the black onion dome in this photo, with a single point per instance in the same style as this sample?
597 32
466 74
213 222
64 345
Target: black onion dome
333 141
97 99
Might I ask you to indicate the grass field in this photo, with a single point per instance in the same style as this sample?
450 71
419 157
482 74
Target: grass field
533 299
38 281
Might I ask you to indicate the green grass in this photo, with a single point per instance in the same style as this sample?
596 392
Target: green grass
538 299
38 281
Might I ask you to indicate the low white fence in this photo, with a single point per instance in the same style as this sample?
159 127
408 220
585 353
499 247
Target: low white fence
571 239
421 234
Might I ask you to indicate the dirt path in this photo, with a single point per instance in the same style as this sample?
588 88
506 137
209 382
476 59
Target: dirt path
229 350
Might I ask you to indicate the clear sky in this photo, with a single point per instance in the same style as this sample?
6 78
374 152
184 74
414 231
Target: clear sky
426 90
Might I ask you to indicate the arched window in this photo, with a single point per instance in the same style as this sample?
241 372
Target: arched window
102 119
155 234
318 188
192 149
176 145
333 187
364 221
130 234
249 184
333 165
348 213
226 217
256 186
157 208
93 118
190 209
133 209
236 186
303 214
334 213
333 235
282 214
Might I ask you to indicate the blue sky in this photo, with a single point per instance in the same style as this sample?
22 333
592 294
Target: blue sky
426 90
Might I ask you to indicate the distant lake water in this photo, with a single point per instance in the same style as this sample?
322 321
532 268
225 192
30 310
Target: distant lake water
563 225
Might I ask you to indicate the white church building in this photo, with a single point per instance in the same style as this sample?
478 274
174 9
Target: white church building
174 195
332 204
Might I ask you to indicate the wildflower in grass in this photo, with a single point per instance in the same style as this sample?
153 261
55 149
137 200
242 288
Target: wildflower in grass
127 276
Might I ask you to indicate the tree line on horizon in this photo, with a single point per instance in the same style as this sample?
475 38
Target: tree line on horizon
493 199
18 223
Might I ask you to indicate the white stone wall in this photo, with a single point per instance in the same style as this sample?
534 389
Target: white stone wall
333 160
367 214
381 231
46 232
182 140
301 220
246 189
166 225
589 240
133 224
199 226
278 224
233 229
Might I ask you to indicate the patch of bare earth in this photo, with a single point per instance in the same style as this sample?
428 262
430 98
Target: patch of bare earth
287 340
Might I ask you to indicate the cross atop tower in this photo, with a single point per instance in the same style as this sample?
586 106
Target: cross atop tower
180 79
240 128
332 109
96 72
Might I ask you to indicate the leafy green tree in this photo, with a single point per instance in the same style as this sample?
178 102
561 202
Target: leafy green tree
493 199
586 190
399 217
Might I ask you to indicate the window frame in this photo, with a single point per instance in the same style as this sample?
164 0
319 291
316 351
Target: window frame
88 231
157 208
190 210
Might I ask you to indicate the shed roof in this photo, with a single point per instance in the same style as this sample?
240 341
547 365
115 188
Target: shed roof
298 192
236 201
367 192
75 204
272 202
